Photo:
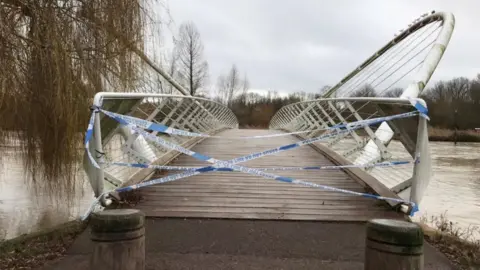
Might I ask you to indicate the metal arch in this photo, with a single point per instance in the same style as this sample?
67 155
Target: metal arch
431 60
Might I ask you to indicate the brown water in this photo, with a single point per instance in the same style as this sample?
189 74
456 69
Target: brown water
454 189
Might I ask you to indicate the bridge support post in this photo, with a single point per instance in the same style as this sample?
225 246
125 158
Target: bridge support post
119 240
393 245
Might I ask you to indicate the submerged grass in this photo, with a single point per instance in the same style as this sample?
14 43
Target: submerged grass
459 244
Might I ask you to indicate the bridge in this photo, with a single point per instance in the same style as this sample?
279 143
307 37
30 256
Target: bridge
337 156
341 158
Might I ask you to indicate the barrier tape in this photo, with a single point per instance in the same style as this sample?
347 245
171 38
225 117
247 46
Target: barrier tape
329 167
419 106
145 124
88 137
231 163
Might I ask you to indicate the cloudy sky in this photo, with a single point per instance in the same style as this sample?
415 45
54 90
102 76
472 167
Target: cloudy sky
302 45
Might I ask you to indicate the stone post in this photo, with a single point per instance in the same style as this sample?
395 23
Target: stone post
393 245
118 238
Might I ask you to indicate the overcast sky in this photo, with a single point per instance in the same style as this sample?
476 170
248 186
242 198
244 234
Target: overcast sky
304 44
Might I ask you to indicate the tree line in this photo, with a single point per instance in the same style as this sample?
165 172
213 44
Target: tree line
452 104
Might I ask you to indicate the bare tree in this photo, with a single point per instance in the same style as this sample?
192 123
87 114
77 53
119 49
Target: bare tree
365 91
475 91
193 69
395 92
245 88
172 70
230 86
324 90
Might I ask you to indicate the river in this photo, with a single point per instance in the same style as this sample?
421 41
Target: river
454 190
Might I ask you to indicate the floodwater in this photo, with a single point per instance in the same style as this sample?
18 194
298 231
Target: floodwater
454 190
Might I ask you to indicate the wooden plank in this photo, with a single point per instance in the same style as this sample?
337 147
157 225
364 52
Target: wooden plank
246 199
261 210
358 174
150 194
240 195
255 204
240 185
306 190
271 216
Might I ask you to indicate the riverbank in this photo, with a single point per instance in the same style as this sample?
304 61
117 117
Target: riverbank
34 250
448 135
459 245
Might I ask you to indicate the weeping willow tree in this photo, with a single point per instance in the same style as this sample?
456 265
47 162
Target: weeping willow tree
54 56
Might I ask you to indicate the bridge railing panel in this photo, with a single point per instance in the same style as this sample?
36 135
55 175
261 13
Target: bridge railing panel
393 162
114 143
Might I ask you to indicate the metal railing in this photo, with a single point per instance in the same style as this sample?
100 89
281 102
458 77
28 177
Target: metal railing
365 146
116 143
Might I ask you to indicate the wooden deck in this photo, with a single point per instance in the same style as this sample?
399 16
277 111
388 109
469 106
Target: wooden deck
243 196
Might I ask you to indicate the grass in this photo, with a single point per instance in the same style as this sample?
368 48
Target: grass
439 134
34 250
457 243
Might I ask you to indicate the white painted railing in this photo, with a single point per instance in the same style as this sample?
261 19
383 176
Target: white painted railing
116 143
410 141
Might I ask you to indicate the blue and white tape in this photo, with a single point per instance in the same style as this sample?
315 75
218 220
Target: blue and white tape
308 168
145 124
88 137
419 106
231 165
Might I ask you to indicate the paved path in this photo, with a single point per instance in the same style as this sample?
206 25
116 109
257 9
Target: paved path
247 244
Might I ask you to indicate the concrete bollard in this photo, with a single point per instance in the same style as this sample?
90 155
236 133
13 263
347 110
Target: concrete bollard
118 237
393 245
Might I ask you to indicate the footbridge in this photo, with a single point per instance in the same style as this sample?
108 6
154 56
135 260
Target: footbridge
355 154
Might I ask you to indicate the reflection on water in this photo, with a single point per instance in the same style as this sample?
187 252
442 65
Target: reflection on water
455 188
24 210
